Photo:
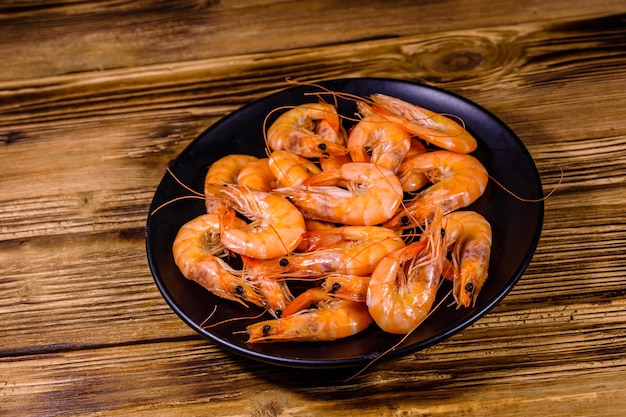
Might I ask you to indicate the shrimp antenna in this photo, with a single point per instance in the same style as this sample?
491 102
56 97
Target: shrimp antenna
256 316
196 195
530 200
167 203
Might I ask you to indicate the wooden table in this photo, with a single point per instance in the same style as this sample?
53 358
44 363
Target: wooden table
96 98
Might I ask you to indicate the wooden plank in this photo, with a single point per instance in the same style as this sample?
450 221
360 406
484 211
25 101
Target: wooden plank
70 37
189 377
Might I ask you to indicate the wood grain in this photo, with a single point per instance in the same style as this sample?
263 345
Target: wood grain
96 98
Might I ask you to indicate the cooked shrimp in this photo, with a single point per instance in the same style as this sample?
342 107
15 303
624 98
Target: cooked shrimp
458 180
291 169
470 235
374 139
305 300
333 161
257 175
351 250
347 287
196 249
402 288
315 295
432 127
373 195
276 226
311 130
275 293
223 171
333 319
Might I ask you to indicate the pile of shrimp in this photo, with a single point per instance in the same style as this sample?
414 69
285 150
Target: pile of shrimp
369 218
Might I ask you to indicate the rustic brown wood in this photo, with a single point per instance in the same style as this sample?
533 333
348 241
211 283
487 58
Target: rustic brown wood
97 97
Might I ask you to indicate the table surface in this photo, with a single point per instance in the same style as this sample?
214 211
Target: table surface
96 98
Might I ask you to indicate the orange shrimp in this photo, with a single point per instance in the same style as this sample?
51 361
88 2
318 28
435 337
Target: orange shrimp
332 319
432 127
345 287
351 250
291 169
348 287
470 235
333 161
275 293
374 139
311 130
373 195
223 171
276 226
196 249
402 288
257 175
458 180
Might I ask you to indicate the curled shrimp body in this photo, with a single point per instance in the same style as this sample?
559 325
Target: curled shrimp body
223 171
402 288
469 233
196 249
374 139
291 169
310 130
458 180
434 128
275 229
350 250
331 320
257 175
373 194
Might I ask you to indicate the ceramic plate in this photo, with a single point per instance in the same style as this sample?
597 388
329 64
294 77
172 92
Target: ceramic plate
516 225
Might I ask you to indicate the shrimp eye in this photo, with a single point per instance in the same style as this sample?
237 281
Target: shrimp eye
239 289
443 232
283 262
278 313
266 329
335 287
469 287
404 219
321 146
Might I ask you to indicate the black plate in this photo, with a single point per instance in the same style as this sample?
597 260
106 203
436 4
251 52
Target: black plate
516 225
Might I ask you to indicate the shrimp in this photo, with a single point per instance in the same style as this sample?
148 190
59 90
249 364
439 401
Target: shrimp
275 293
458 180
332 319
345 287
311 130
257 175
402 288
196 249
470 235
432 127
374 139
333 161
276 226
348 287
373 195
223 171
351 250
291 169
